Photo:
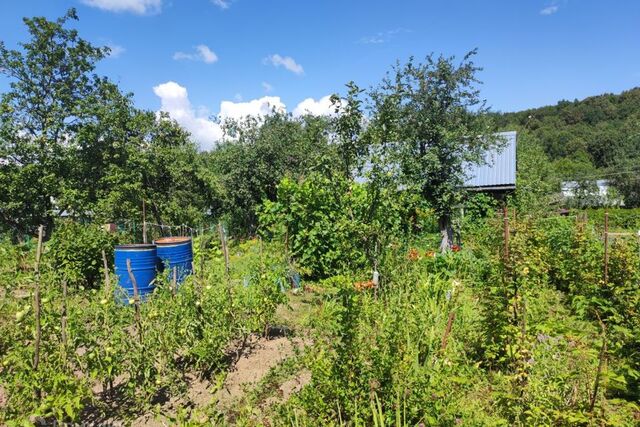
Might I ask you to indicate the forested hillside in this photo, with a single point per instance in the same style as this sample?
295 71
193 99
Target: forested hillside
594 138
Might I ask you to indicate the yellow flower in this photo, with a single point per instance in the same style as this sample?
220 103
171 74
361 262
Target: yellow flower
525 271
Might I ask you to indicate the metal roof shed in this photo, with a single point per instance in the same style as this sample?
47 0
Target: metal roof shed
498 173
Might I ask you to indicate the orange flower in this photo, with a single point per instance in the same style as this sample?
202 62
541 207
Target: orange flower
430 254
413 254
455 248
360 286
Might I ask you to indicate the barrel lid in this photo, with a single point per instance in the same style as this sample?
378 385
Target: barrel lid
135 247
172 240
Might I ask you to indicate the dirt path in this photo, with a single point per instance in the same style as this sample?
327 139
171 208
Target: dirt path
263 355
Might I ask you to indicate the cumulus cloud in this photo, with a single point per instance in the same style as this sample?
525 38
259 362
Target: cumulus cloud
549 10
140 7
284 61
175 101
256 107
321 107
203 53
115 50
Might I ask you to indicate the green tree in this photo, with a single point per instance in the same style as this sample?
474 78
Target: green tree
52 89
348 126
433 115
258 153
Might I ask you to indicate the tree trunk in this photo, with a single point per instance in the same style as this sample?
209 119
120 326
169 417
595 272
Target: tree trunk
446 233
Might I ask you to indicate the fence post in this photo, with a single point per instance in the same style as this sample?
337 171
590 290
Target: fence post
606 247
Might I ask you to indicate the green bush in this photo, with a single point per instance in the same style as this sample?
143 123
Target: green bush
76 252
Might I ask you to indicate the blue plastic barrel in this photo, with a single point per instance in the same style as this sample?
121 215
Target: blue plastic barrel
144 265
176 252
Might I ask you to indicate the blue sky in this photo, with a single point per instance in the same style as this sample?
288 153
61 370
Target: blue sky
188 56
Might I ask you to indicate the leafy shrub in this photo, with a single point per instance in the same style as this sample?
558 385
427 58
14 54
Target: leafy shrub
332 225
76 252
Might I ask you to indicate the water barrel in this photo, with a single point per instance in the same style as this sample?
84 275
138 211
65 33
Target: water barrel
144 265
176 252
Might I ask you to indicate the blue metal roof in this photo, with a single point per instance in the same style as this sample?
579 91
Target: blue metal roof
499 169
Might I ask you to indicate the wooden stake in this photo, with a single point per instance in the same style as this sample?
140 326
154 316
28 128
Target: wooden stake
136 298
144 222
506 234
606 247
63 318
107 280
447 331
36 301
601 363
225 250
174 284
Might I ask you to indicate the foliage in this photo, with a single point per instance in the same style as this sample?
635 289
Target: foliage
51 93
432 112
76 251
333 224
133 360
258 154
596 137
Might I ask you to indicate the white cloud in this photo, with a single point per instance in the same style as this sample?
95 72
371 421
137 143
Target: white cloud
549 10
175 101
285 61
222 4
321 107
203 54
207 54
140 7
115 50
267 87
256 107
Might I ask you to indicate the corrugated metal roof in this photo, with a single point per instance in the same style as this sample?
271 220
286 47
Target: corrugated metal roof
499 169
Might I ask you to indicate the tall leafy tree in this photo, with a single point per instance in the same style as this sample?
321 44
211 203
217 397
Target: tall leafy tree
433 115
259 153
52 91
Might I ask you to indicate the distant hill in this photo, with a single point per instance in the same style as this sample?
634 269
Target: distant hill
602 129
594 138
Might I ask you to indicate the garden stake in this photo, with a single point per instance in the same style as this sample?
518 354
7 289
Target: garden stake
36 356
107 282
136 298
225 250
174 283
144 222
63 319
601 362
447 331
606 247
